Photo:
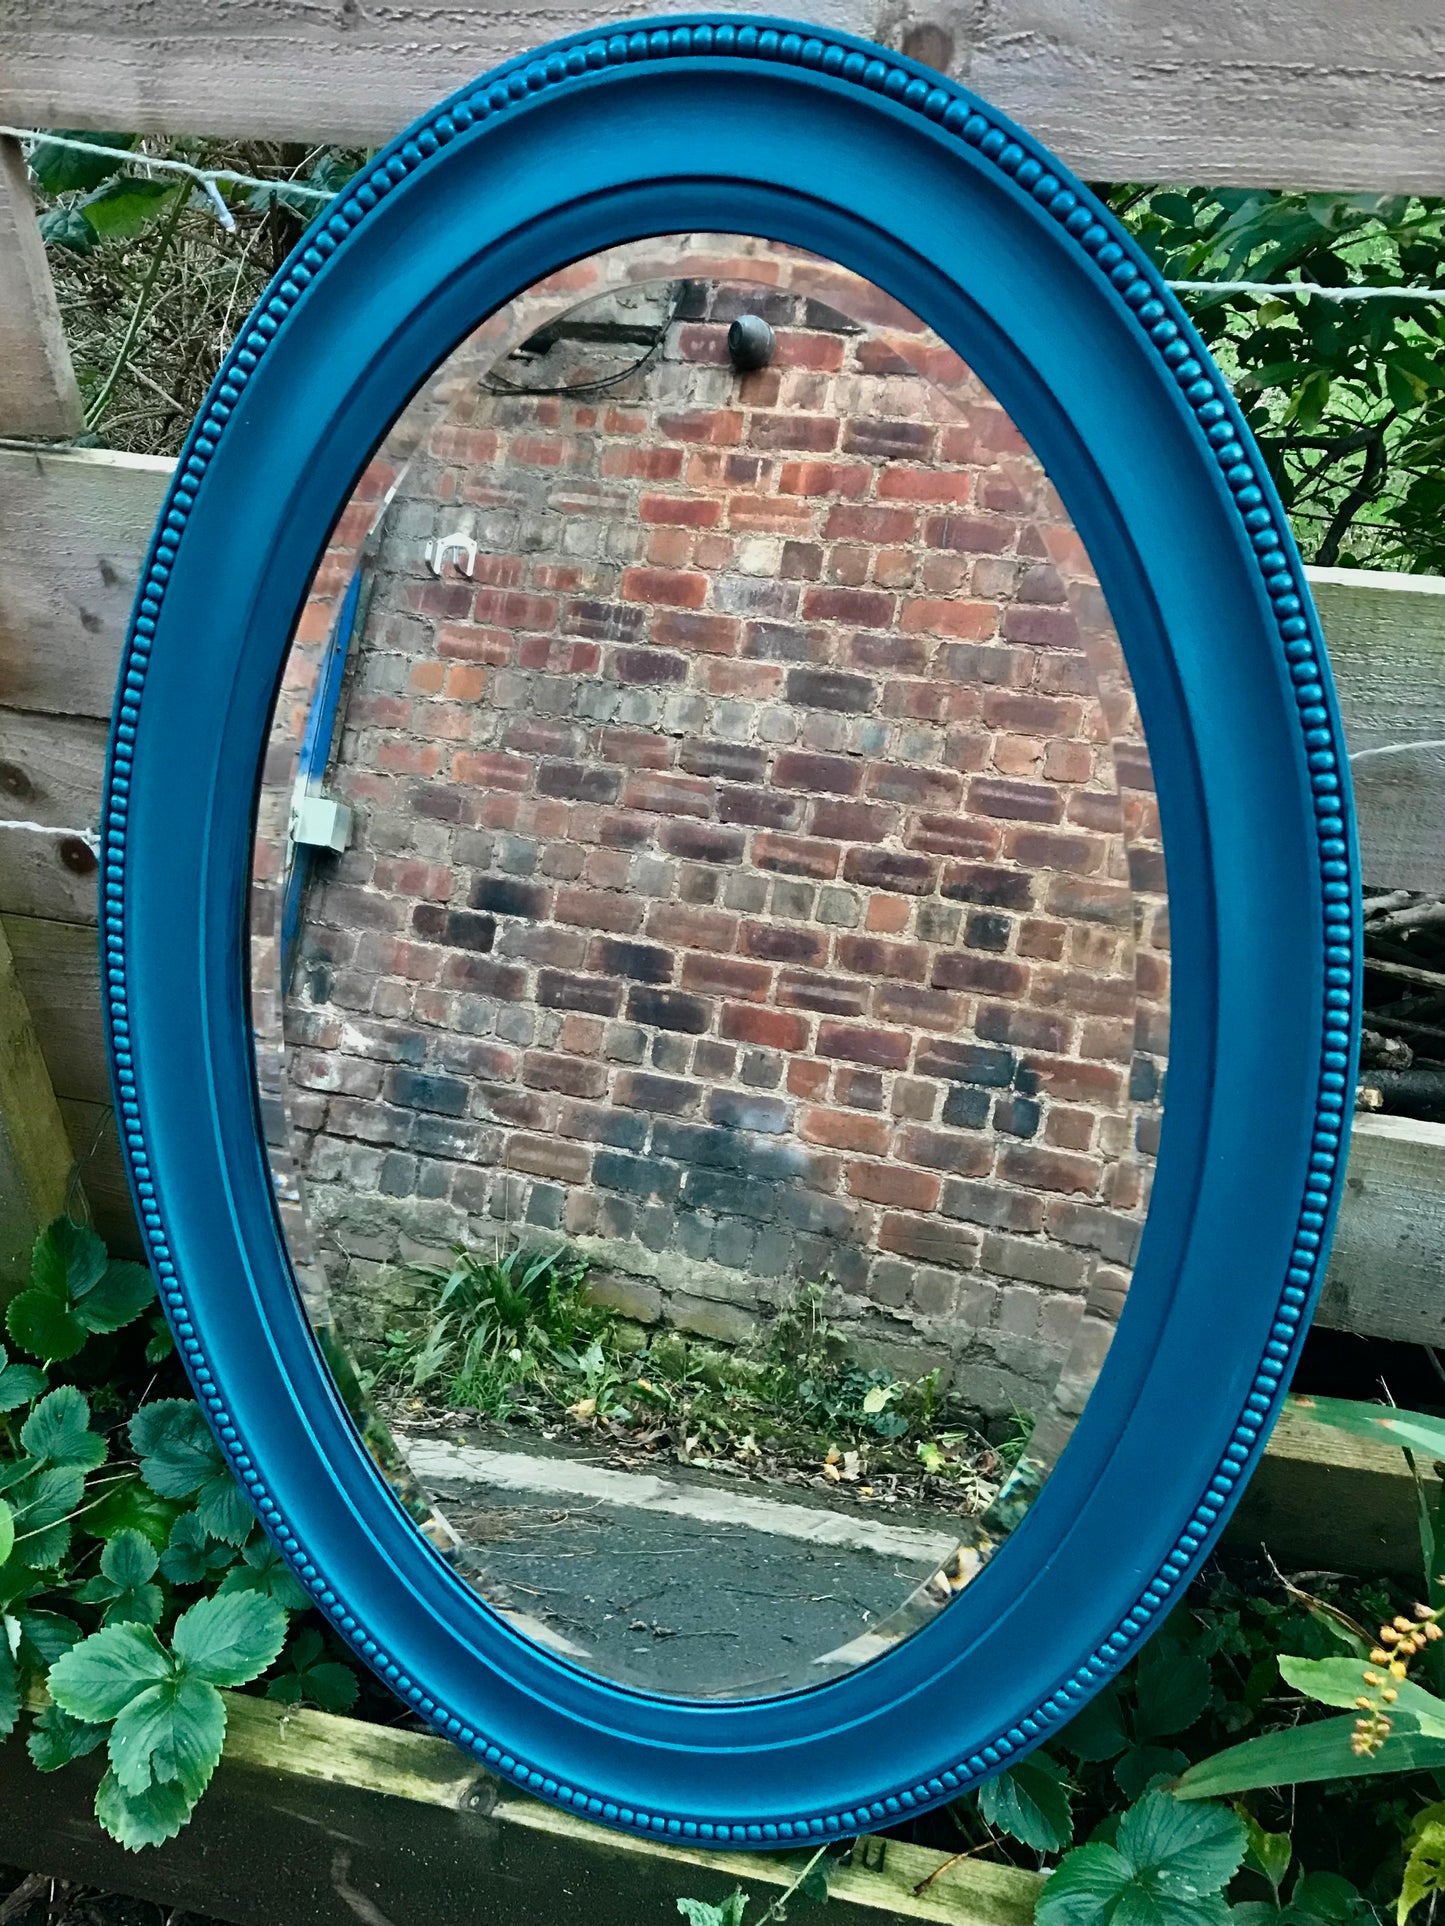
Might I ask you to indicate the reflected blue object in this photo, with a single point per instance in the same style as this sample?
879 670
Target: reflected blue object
824 142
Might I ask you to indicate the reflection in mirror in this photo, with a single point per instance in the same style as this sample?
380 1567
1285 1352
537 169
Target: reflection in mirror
709 958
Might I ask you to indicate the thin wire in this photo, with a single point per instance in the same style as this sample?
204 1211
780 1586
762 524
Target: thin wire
208 177
205 177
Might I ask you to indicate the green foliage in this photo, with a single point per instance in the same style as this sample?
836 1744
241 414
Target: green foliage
1168 1866
75 1290
92 1554
1032 1802
1347 399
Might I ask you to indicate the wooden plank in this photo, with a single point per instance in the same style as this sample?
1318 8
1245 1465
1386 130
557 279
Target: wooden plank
1387 1269
74 529
1322 1500
57 967
35 1157
1386 638
1309 95
323 1820
38 395
51 772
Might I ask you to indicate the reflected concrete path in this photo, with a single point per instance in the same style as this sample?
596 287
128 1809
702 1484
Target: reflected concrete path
669 1583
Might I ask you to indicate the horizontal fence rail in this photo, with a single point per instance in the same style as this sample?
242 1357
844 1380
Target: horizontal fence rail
1312 95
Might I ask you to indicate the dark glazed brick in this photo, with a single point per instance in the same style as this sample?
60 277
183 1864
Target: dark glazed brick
505 897
1035 802
729 1195
558 990
734 1110
886 1049
966 1107
576 782
1016 1116
994 1205
699 843
964 1063
463 929
642 962
984 931
669 1010
982 883
994 975
670 1095
642 1177
416 1090
830 688
733 760
832 775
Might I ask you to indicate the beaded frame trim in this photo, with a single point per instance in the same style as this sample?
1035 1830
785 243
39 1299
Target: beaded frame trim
1161 321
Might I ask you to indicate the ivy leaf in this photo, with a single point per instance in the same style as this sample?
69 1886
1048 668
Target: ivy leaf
67 227
264 1570
98 1678
56 1738
146 1819
19 1383
172 1731
58 1431
59 170
227 1641
1031 1803
125 207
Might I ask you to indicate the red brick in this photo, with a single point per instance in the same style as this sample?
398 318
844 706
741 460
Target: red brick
512 611
885 1049
795 856
990 975
775 944
866 956
724 975
691 928
875 526
687 511
890 869
853 822
972 621
844 1130
703 634
868 608
895 1185
570 1163
824 478
573 1076
931 1242
663 794
596 909
960 1153
832 775
771 1029
673 588
1037 1167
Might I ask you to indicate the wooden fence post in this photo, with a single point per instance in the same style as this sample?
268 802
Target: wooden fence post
38 395
35 1155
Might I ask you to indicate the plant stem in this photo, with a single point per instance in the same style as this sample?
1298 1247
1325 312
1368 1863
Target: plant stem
98 406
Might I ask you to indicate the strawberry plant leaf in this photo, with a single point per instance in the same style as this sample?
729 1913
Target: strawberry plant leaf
99 1677
228 1640
171 1731
56 1738
145 1819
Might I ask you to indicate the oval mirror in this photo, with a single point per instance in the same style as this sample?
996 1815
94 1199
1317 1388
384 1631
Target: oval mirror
688 731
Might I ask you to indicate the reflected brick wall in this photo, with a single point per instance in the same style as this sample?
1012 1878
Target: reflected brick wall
741 883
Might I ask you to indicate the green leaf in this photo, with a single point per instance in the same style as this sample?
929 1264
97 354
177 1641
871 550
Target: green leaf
7 1531
127 1564
225 1510
45 1637
698 1912
56 1739
184 1560
1328 1899
127 206
99 1677
1269 1853
1031 1803
129 1505
264 1570
1306 1754
171 1731
9 1683
44 1326
67 227
149 1819
43 1506
1381 1423
1191 1849
227 1641
1172 1691
61 169
67 1261
19 1383
121 1295
58 1431
1098 1733
1425 1868
1136 1769
1341 1681
177 1453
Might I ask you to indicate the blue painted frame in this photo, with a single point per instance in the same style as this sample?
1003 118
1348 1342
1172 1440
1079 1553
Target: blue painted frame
714 123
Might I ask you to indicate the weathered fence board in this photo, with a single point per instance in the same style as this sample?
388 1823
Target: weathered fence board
57 968
38 395
34 1149
1311 95
326 1821
1387 1268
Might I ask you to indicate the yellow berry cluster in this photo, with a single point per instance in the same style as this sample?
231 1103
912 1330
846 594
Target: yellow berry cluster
1400 1640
